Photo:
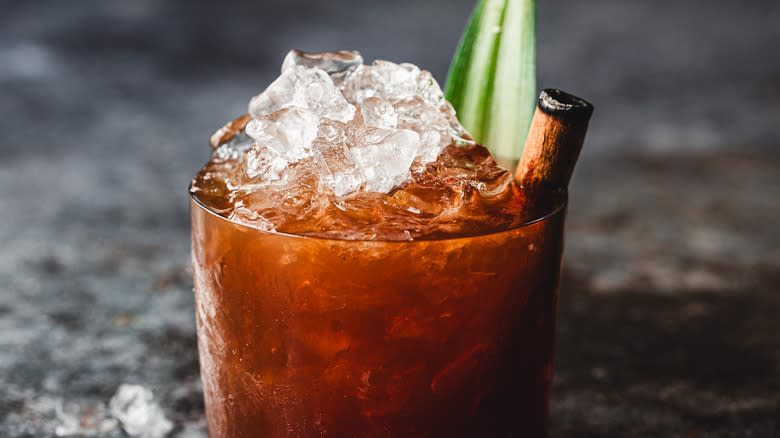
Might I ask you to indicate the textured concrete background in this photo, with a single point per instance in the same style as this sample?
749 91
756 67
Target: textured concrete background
670 302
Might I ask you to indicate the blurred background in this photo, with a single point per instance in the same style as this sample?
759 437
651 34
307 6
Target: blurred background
670 303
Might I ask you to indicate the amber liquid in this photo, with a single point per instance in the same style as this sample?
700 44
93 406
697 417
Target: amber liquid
311 337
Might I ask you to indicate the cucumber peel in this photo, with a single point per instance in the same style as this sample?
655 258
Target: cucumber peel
492 78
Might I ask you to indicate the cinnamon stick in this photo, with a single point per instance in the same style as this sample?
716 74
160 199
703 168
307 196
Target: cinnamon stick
554 140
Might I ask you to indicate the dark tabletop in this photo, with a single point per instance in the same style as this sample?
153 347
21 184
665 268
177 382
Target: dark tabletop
670 311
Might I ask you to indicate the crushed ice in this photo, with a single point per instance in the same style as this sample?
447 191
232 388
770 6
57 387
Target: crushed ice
356 127
140 415
132 406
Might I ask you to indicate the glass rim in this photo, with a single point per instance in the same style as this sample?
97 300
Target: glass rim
556 210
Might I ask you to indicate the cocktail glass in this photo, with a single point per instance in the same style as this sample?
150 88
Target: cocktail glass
307 336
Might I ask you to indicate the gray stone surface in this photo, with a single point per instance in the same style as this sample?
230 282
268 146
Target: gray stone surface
670 298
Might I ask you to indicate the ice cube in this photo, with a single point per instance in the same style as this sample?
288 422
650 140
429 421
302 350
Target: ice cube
431 144
336 169
379 113
332 132
140 415
417 114
302 87
265 164
384 79
270 205
429 89
457 131
422 117
339 172
385 156
336 64
288 132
